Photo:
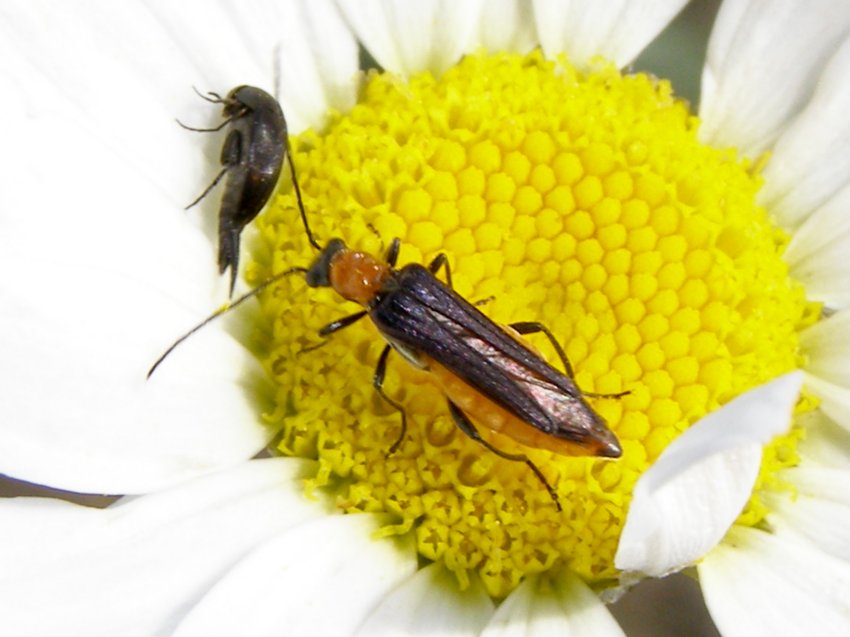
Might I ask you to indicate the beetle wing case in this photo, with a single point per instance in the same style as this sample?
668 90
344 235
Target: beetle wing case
424 315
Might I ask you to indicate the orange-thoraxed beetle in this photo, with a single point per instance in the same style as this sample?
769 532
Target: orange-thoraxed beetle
490 377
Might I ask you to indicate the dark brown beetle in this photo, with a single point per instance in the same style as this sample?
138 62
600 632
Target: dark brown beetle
252 155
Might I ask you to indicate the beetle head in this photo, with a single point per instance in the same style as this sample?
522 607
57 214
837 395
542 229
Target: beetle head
318 276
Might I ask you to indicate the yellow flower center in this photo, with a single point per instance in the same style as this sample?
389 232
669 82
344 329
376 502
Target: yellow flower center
580 200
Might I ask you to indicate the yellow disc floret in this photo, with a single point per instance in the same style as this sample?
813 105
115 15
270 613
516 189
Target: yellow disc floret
580 200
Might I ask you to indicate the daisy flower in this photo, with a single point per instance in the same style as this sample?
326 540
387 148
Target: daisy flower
694 261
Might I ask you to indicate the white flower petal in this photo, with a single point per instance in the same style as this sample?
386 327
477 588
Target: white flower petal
684 504
136 566
617 30
409 37
819 510
430 603
826 443
834 399
564 609
826 345
751 87
319 578
587 614
506 25
317 60
817 252
80 330
759 584
111 269
810 162
306 43
127 71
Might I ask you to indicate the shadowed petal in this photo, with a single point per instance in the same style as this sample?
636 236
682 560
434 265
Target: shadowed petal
506 25
818 510
564 608
429 603
616 30
817 252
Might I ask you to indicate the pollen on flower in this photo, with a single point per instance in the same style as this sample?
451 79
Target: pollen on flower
582 201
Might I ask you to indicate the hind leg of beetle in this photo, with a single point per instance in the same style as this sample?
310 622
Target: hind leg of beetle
230 155
378 384
466 426
535 327
214 183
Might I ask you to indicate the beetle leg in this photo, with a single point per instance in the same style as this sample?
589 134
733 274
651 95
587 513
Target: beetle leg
466 426
378 384
441 261
336 326
217 179
339 324
392 252
534 327
593 394
230 153
231 150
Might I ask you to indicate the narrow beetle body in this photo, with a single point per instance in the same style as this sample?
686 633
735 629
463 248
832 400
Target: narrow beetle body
251 157
484 370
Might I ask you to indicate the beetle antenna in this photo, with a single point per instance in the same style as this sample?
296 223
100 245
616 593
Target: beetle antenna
276 79
210 96
295 185
224 310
